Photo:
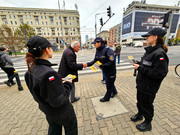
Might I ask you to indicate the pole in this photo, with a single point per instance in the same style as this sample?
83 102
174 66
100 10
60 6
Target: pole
105 23
168 30
61 26
24 30
96 23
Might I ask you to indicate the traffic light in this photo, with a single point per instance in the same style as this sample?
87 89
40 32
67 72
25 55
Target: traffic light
165 20
101 22
109 11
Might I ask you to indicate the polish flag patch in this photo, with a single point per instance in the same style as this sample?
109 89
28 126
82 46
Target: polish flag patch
161 58
51 78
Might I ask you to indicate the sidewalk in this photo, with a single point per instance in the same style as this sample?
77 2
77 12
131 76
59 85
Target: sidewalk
19 113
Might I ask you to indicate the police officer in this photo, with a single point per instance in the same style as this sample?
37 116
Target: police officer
151 71
47 88
105 55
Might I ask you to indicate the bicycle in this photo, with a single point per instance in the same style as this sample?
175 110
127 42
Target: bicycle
177 70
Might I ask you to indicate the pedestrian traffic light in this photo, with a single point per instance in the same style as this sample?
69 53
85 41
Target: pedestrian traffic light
109 11
165 20
101 22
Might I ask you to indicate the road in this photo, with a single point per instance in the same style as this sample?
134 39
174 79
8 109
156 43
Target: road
88 55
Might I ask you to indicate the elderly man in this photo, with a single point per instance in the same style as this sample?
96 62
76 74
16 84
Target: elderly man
68 65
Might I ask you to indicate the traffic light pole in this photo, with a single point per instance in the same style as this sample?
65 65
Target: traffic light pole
168 30
96 23
105 23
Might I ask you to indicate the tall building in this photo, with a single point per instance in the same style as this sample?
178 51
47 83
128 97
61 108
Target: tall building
140 17
118 33
104 34
49 23
86 38
112 36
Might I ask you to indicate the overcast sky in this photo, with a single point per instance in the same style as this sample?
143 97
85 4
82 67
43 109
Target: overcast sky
87 10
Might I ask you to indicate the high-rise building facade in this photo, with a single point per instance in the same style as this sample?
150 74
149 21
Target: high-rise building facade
49 23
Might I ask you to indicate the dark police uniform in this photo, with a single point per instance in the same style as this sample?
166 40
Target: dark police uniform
152 70
52 95
106 56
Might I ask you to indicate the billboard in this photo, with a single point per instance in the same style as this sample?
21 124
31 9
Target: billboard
127 24
145 21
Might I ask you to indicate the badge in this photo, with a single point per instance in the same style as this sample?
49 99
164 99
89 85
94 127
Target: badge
111 58
51 78
161 58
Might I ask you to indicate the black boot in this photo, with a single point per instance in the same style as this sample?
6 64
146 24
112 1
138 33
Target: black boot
144 126
136 117
8 83
103 100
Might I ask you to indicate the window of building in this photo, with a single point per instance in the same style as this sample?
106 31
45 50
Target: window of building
9 16
66 31
29 16
41 17
45 17
44 33
56 23
31 22
46 23
42 22
57 29
53 31
38 29
73 18
11 22
65 20
36 18
69 18
15 22
14 16
48 33
51 19
27 22
26 16
77 20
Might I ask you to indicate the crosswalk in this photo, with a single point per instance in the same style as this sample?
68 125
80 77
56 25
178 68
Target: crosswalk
21 67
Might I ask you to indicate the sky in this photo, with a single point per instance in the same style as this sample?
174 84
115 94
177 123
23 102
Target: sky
87 10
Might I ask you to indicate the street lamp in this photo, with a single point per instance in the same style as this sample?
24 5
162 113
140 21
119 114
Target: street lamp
61 26
96 23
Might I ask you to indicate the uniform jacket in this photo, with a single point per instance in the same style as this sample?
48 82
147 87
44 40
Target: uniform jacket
47 89
7 59
68 64
152 70
105 55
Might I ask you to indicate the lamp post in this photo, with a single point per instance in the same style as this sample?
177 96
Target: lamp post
61 26
96 23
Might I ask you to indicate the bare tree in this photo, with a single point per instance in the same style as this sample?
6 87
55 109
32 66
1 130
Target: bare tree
8 37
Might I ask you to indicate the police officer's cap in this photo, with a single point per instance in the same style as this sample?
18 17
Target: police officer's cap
97 39
156 32
37 43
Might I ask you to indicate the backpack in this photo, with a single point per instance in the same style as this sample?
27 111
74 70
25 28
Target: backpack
2 62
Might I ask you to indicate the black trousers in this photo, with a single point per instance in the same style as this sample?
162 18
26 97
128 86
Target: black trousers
10 73
145 105
69 124
110 80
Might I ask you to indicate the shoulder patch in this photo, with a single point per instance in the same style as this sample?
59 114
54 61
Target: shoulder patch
111 58
51 78
162 58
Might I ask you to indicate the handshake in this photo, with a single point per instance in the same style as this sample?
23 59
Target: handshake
85 65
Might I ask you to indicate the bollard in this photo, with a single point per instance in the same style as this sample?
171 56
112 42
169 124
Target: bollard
18 81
